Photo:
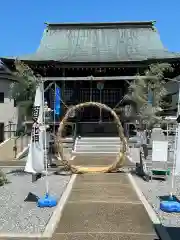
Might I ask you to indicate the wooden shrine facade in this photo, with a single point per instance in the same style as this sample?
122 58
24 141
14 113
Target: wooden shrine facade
104 89
83 86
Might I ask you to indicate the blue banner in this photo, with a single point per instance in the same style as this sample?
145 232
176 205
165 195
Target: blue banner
57 102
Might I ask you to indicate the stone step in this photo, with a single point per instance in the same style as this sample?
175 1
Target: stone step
94 153
97 150
98 140
101 138
98 143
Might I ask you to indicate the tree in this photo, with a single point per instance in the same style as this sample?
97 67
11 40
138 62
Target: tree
23 91
148 93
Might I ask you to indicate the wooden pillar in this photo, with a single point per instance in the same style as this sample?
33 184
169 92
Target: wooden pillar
91 85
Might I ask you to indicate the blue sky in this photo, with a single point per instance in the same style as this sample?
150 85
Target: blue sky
22 22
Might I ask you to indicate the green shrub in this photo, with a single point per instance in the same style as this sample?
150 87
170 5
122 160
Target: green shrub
3 178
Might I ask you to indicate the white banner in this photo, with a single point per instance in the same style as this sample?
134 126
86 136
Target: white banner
35 159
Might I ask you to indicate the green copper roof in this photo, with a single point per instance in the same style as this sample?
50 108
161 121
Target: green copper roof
100 42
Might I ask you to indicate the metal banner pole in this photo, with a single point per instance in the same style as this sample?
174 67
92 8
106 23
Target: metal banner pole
100 110
91 89
54 130
45 143
174 172
100 86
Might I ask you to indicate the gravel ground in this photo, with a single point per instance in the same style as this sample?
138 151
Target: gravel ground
17 216
153 190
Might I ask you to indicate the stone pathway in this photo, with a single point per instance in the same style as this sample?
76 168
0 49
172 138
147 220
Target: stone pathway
104 207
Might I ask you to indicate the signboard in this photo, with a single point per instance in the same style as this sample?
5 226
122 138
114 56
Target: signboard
35 128
160 151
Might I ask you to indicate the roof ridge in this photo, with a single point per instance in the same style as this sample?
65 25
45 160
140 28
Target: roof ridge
104 24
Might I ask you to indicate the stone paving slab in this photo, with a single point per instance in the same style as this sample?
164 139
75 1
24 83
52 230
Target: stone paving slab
104 217
93 160
106 192
103 236
102 178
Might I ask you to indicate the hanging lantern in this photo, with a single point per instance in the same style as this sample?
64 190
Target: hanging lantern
100 85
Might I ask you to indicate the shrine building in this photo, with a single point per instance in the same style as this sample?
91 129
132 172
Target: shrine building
96 62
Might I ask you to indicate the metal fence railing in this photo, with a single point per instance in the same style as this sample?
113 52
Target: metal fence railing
10 130
20 143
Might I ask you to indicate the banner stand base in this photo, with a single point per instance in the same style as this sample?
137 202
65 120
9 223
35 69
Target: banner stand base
35 177
31 197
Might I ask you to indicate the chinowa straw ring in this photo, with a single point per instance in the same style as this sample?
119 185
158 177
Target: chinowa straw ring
119 162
